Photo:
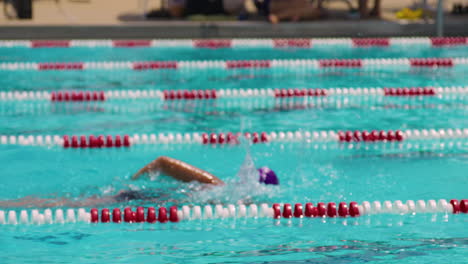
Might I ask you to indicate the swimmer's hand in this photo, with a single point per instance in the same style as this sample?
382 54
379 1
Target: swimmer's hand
150 167
178 170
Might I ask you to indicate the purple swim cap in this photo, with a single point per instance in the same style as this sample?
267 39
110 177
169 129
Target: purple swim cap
267 176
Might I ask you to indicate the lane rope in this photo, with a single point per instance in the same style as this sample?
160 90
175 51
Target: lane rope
97 96
44 107
238 64
304 43
276 211
230 138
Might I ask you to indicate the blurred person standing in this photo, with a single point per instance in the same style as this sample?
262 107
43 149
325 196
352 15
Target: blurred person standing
214 7
234 7
290 10
181 8
364 11
176 8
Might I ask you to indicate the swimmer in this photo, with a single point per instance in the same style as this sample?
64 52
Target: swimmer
167 166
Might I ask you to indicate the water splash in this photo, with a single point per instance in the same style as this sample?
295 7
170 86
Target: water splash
247 173
244 188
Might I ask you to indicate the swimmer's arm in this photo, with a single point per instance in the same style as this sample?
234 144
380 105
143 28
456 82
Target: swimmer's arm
178 170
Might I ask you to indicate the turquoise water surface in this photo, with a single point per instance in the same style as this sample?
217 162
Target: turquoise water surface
308 172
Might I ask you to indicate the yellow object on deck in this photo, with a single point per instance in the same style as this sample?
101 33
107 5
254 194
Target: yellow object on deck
407 13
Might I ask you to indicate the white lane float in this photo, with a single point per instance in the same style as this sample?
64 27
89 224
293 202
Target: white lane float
196 212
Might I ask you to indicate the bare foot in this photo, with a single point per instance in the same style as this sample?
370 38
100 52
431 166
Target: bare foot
273 19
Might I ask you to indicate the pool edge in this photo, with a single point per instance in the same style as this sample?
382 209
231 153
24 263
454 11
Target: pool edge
187 29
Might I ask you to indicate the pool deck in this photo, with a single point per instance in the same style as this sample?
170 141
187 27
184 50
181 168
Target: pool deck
85 19
229 30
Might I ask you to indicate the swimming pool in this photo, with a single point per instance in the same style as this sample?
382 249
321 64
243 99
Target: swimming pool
315 163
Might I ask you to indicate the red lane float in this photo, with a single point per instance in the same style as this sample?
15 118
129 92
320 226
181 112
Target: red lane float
248 64
105 215
292 43
173 215
321 210
116 215
80 96
331 209
287 211
162 215
50 43
354 209
95 142
310 210
373 136
343 209
281 93
212 43
371 42
448 41
129 215
189 95
413 91
456 206
135 217
60 66
151 215
131 43
94 215
432 62
154 65
231 138
298 213
140 215
341 63
464 206
276 211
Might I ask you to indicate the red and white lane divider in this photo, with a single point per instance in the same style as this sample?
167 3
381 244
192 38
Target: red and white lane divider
87 96
275 211
358 136
305 43
238 64
205 107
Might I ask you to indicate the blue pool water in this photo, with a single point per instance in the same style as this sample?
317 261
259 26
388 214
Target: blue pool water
308 172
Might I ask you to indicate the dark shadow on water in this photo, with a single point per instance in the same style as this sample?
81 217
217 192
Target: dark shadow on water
368 251
59 239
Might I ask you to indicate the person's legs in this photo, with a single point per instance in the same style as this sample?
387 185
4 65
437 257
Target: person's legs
233 7
279 10
376 10
363 8
204 7
319 4
364 11
292 10
282 6
176 8
309 12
